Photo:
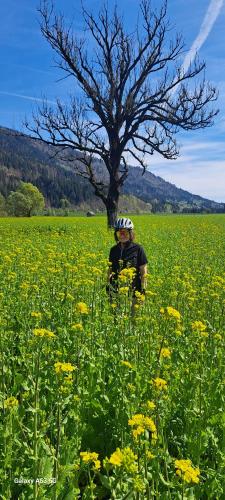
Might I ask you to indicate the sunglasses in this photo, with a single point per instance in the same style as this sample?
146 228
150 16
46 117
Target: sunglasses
125 232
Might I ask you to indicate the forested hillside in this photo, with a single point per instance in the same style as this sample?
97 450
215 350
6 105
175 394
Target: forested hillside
22 158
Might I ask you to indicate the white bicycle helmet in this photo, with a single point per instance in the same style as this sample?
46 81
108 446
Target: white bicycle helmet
124 223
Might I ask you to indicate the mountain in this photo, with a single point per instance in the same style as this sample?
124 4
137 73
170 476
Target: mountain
29 160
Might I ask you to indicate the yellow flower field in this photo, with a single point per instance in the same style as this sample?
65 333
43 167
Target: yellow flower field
97 403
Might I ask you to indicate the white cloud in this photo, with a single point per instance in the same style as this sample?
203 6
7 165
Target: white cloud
206 26
205 178
30 98
200 169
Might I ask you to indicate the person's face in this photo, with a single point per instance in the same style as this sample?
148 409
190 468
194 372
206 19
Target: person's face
123 235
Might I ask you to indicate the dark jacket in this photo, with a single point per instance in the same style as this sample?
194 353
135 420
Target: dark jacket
131 255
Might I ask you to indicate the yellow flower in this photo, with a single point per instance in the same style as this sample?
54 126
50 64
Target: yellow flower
42 332
217 336
138 431
82 308
96 271
123 290
186 471
170 312
64 367
64 389
129 460
136 420
68 379
11 402
140 424
149 424
24 285
160 383
77 327
131 387
139 484
37 315
139 296
165 352
150 455
89 457
151 405
126 363
69 296
116 458
127 274
149 293
124 458
198 326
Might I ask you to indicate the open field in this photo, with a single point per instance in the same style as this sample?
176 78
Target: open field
95 404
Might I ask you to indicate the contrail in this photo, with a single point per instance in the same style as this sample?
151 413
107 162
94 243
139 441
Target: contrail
30 98
211 15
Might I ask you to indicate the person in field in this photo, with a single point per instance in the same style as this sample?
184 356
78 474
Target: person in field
126 254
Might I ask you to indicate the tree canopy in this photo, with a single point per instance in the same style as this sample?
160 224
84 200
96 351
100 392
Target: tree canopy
135 96
25 201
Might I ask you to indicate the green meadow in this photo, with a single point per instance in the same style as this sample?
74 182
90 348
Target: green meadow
96 403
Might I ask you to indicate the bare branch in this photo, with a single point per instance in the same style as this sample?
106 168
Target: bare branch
135 95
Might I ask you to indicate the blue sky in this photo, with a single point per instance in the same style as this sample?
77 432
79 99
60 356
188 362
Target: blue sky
29 73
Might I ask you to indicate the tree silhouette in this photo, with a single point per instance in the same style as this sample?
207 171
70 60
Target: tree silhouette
135 96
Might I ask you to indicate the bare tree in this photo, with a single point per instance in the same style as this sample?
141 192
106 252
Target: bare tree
135 96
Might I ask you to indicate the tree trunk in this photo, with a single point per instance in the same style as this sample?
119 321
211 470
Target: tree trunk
111 216
114 186
112 205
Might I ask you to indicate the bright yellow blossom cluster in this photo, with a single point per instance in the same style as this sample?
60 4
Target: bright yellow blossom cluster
82 308
165 353
42 332
160 383
198 326
139 296
124 458
127 274
170 312
89 457
151 405
140 424
186 471
63 367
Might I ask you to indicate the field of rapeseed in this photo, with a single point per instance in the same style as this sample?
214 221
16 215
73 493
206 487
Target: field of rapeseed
95 403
